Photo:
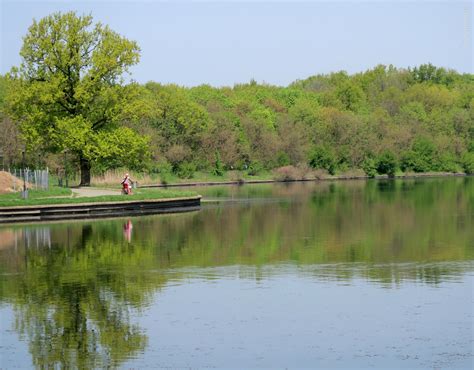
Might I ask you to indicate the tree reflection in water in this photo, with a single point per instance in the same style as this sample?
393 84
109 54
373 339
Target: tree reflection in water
76 287
73 305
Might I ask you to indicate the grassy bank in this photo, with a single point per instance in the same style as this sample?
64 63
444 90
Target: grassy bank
287 173
114 177
52 192
64 196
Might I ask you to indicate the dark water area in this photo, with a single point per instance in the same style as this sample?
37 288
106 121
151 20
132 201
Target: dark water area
351 274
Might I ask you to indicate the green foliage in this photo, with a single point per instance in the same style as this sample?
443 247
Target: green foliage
164 169
179 120
283 159
255 168
421 157
467 163
471 146
351 96
387 164
447 162
432 74
218 169
67 92
121 147
324 158
69 96
369 165
185 170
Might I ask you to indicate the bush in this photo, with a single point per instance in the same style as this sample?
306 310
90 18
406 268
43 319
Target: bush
447 163
287 173
186 170
255 168
387 164
176 155
343 159
467 163
410 161
164 169
470 147
305 171
324 158
283 159
369 165
421 158
218 169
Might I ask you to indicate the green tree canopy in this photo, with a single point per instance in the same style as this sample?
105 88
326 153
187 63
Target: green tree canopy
68 92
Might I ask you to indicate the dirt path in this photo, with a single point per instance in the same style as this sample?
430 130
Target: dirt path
93 192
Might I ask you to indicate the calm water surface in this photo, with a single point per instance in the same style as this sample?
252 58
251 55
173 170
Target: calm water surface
351 274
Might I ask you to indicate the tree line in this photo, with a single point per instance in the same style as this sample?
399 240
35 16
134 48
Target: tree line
68 96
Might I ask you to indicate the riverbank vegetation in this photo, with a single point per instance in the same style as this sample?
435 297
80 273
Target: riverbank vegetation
381 121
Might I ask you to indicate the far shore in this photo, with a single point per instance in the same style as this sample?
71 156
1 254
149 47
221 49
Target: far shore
323 178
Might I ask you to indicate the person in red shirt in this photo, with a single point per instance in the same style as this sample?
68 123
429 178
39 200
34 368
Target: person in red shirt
127 185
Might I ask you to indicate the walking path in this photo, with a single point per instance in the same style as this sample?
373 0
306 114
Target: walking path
93 192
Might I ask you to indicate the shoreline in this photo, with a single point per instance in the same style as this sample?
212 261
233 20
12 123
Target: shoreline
329 178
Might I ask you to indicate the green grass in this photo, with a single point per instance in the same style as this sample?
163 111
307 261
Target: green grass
37 194
12 200
209 177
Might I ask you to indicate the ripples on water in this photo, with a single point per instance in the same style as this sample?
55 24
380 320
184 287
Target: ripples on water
353 274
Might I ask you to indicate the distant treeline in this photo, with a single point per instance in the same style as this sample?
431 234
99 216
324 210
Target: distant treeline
383 120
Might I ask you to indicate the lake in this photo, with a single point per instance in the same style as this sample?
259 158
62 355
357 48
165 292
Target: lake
347 274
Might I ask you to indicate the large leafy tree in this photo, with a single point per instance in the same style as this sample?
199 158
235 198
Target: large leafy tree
68 93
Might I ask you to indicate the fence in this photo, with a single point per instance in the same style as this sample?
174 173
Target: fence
35 179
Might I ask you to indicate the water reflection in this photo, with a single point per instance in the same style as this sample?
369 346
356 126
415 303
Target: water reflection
77 287
127 230
74 312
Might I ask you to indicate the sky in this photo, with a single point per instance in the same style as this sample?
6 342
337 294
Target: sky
226 42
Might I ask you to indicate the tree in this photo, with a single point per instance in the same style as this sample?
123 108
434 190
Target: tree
68 92
351 96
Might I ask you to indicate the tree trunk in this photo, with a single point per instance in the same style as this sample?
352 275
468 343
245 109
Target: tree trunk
85 172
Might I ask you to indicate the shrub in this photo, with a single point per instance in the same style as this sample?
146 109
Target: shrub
255 168
409 161
470 147
447 163
421 158
186 170
176 155
283 159
324 158
319 174
218 169
164 169
287 173
343 159
369 165
387 164
304 171
467 163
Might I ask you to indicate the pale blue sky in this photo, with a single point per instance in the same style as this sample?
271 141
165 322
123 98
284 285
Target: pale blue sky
224 42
